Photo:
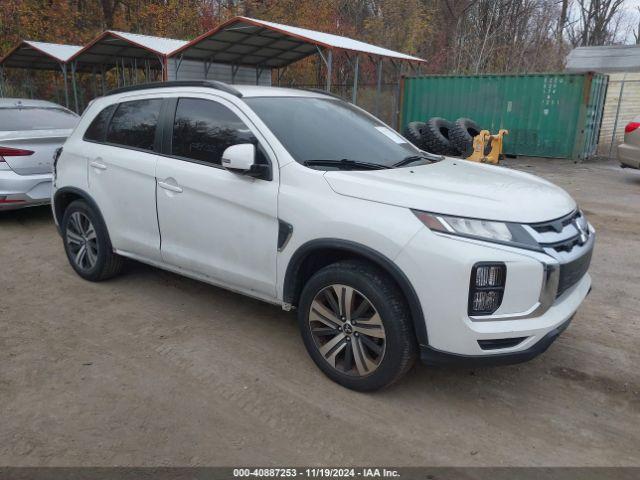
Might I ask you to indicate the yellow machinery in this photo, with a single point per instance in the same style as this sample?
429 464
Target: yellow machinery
480 143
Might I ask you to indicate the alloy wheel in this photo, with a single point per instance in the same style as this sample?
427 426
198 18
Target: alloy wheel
82 241
347 330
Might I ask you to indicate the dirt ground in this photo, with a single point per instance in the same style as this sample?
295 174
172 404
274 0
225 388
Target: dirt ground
152 369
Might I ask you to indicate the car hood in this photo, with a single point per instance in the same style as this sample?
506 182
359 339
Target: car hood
458 187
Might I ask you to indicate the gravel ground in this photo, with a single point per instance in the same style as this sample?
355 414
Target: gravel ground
152 369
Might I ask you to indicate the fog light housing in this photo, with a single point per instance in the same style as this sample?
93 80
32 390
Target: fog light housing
486 288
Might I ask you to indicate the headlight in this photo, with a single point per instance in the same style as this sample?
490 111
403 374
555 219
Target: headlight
498 232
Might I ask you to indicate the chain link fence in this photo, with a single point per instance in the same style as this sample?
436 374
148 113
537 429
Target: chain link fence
622 105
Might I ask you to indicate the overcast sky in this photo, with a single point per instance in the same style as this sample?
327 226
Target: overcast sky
631 12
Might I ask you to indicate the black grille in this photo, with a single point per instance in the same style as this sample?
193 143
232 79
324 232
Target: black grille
572 272
558 226
555 225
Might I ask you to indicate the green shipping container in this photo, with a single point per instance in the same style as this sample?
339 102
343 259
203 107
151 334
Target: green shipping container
547 115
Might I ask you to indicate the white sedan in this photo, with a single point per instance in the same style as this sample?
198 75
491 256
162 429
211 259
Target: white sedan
30 133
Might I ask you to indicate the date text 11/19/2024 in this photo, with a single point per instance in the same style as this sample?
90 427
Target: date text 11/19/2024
315 472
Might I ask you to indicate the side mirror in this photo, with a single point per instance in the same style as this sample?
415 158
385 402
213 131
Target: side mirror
239 158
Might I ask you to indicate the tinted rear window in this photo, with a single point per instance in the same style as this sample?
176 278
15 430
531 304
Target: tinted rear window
36 118
134 124
98 128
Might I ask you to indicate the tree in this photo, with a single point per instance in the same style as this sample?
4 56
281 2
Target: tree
597 22
108 10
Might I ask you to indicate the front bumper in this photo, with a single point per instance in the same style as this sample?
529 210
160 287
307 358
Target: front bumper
439 268
18 191
431 356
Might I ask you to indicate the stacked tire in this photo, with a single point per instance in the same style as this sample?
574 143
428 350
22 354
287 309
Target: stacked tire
414 133
462 134
442 137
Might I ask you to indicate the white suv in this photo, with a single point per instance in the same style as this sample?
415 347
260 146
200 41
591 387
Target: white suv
305 201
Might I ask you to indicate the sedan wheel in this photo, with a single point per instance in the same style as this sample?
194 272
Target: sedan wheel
347 330
82 241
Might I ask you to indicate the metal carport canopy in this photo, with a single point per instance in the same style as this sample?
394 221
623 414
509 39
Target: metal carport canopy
112 45
39 55
252 42
32 55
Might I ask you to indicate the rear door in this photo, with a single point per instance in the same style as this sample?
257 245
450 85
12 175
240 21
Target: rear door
29 136
121 172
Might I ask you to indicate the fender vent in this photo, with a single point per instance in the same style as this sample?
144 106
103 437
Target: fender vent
284 234
497 343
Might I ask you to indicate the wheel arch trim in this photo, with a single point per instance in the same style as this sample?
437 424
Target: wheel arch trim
291 292
58 213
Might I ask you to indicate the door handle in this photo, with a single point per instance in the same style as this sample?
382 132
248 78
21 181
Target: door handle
169 186
97 164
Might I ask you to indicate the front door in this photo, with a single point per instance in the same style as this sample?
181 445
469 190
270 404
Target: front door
214 222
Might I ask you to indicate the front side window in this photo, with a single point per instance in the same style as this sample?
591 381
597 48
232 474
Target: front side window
323 129
203 129
36 118
134 124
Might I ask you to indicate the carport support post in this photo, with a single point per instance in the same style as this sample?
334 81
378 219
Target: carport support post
328 62
280 73
207 66
94 81
103 79
356 67
63 67
234 71
124 72
396 101
318 81
135 71
163 72
178 63
329 69
74 86
378 87
30 83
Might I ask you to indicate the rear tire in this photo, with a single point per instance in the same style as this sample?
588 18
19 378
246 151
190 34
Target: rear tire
356 326
87 244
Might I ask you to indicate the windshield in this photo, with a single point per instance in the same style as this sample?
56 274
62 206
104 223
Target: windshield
36 118
323 129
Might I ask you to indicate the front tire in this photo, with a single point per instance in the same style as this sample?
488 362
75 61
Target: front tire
356 326
87 244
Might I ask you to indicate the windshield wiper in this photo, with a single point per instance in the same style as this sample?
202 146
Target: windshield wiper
414 158
345 164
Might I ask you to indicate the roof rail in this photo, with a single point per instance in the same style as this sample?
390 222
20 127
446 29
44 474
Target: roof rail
224 87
